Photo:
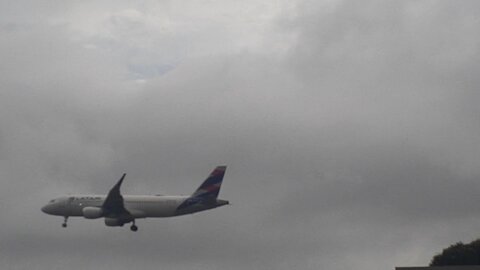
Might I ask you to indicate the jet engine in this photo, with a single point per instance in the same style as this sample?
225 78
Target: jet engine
91 212
113 222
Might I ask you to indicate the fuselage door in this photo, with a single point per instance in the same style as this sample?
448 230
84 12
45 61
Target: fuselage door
68 202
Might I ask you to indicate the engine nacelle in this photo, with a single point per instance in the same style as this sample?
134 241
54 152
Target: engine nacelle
113 222
91 212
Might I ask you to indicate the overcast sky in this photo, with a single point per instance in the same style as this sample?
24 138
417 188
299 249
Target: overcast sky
351 130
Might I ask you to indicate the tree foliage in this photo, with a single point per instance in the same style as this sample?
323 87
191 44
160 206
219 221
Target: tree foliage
459 254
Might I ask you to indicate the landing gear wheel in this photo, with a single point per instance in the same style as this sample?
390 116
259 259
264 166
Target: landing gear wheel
134 228
64 224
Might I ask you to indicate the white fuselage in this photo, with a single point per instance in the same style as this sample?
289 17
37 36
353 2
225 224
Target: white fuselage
140 206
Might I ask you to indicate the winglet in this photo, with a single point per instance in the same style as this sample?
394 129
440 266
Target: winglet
119 183
116 188
114 200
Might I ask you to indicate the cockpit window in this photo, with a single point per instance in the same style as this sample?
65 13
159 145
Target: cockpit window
52 201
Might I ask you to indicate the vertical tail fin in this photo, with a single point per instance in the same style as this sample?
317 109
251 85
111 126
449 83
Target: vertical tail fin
211 186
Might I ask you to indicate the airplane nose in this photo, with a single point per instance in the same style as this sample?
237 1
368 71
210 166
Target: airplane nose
46 209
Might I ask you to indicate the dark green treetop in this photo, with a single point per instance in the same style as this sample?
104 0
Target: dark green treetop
459 254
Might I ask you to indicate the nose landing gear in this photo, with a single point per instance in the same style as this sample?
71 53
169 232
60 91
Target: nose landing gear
64 224
134 227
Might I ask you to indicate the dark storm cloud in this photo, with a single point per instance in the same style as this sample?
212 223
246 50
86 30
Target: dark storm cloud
356 148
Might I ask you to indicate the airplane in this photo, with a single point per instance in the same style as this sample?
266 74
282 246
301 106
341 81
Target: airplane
118 209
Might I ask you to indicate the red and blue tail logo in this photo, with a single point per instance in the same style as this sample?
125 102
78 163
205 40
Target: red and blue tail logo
211 186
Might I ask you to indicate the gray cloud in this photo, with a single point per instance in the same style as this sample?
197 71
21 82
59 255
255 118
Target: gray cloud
354 143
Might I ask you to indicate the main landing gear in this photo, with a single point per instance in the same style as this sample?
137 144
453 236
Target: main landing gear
134 227
64 224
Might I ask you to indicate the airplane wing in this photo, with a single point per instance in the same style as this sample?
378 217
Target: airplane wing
113 204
